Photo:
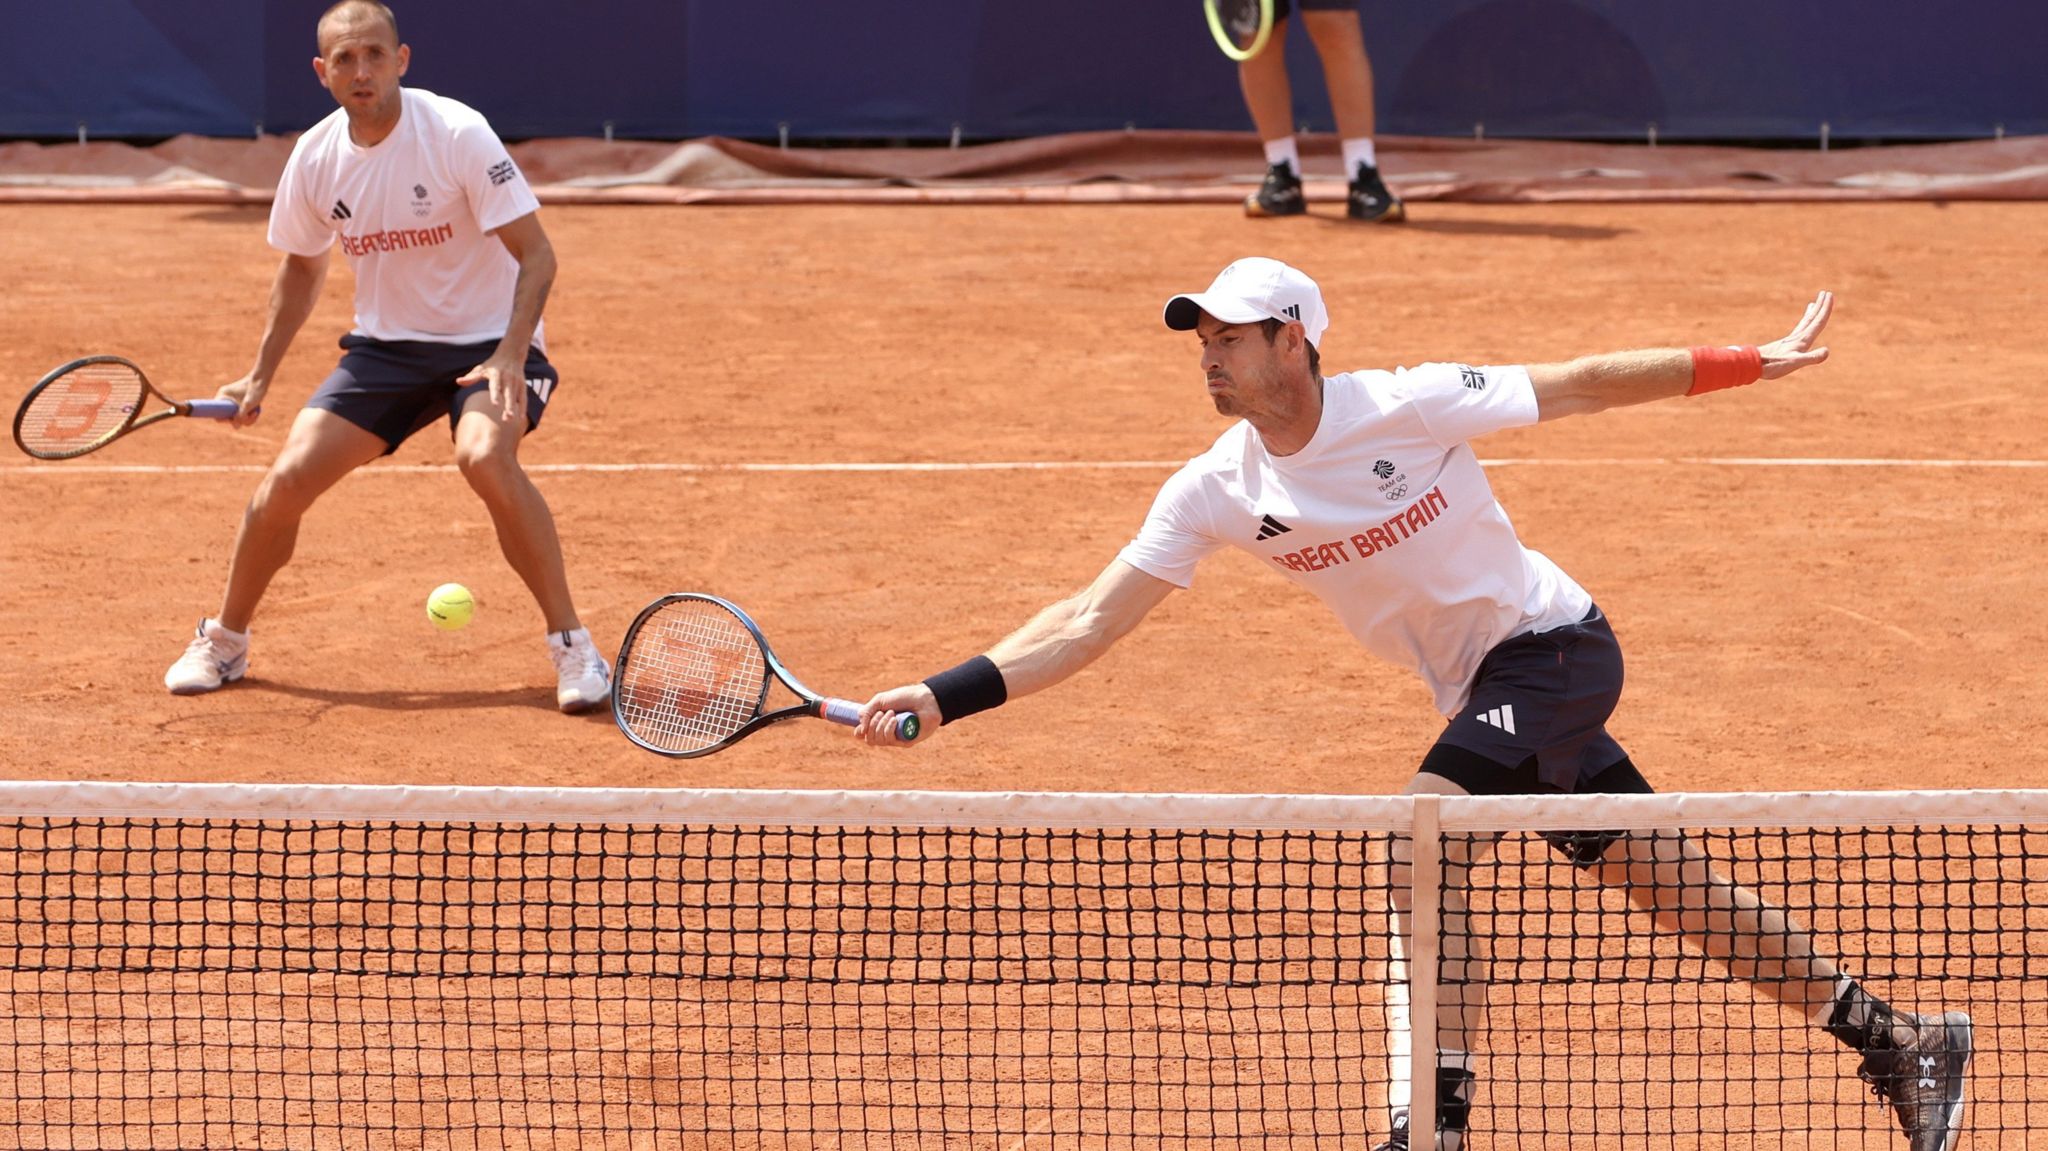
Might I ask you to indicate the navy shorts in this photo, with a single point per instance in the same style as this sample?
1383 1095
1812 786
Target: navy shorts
1542 701
1282 7
393 388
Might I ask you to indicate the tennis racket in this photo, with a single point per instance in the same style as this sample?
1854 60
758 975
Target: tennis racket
1241 27
693 675
87 404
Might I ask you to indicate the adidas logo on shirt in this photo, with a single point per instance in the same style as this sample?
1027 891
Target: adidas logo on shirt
341 211
1502 717
1270 527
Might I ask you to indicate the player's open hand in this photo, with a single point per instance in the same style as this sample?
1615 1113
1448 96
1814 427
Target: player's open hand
248 396
1783 357
507 379
878 716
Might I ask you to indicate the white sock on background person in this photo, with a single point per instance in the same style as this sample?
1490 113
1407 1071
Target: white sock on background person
1357 152
1284 151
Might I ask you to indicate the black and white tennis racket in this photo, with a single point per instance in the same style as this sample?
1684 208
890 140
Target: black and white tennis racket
1241 27
87 404
692 678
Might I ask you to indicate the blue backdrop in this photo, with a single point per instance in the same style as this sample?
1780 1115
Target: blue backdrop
998 68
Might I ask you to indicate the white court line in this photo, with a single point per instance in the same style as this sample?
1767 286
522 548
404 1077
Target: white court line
1005 466
1858 616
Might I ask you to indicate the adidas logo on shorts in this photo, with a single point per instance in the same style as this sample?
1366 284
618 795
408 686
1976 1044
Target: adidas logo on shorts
1502 717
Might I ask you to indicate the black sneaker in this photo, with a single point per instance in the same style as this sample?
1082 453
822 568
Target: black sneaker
1280 195
1922 1077
1453 1112
1397 1139
1370 200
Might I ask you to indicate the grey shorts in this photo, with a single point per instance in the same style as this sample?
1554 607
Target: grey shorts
393 388
1546 697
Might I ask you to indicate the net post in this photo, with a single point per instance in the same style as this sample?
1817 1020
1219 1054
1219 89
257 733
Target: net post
1425 925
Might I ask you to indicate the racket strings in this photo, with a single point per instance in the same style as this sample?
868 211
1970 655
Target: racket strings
693 676
80 409
1242 18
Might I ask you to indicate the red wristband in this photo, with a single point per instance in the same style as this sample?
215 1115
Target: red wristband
1717 368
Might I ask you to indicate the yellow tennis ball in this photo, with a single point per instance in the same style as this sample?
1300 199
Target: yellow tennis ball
450 606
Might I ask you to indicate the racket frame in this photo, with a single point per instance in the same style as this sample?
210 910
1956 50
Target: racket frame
1226 42
812 705
204 409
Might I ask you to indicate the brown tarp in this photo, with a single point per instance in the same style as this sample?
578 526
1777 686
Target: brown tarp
1083 167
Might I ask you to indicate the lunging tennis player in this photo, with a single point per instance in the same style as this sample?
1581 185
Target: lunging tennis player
1362 488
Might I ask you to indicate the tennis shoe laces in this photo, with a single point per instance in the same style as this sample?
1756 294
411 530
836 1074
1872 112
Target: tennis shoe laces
1921 1076
214 658
583 678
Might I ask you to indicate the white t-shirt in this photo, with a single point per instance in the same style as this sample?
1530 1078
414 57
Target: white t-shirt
414 215
1385 514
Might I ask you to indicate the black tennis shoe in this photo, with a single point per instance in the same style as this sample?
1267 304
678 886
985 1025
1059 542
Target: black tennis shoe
1280 195
1922 1075
1370 201
1453 1111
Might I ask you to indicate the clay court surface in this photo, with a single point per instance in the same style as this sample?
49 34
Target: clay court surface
1787 627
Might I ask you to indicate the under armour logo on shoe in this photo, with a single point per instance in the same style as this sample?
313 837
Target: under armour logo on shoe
1502 717
1270 527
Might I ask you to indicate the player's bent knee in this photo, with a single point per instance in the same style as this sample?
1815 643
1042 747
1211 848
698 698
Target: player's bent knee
492 475
287 490
481 458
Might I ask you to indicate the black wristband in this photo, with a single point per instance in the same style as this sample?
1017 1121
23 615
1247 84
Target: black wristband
976 685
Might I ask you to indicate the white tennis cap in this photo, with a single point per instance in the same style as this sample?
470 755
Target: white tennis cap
1253 289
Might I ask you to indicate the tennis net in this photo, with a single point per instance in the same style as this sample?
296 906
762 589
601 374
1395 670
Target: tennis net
347 967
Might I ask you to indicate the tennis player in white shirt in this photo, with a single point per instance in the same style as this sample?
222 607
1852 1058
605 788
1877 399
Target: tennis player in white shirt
452 270
1361 488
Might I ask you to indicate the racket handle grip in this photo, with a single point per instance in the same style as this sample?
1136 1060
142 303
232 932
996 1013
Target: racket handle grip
847 712
213 409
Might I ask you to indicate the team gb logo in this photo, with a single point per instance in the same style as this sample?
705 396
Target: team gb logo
1396 485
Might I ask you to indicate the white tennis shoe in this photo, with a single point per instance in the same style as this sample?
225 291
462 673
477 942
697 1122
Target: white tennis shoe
583 677
214 658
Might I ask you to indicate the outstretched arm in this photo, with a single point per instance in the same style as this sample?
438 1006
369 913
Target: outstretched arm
1059 641
1596 383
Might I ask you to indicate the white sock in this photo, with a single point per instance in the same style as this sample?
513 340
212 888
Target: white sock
238 638
569 638
1358 152
1284 151
1825 1013
1456 1060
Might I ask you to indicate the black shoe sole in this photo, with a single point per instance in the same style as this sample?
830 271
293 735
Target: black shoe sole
1395 214
1259 211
